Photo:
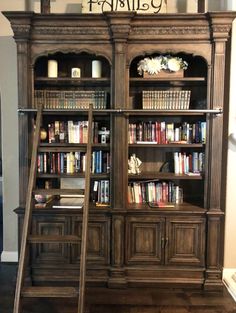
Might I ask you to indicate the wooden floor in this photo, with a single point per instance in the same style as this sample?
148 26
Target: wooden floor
130 301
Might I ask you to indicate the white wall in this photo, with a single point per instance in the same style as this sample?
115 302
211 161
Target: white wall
8 90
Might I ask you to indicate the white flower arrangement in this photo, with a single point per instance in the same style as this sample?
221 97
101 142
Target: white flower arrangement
167 63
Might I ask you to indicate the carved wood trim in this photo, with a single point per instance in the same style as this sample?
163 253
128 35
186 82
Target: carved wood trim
70 30
169 30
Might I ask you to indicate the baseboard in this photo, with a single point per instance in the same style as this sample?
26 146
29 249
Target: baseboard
9 256
229 279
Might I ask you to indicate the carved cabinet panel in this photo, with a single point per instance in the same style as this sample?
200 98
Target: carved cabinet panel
52 253
185 241
144 240
98 240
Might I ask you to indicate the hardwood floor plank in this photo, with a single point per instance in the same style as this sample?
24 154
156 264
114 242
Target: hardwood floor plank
136 300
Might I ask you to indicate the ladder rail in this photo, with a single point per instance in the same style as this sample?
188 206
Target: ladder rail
84 235
28 215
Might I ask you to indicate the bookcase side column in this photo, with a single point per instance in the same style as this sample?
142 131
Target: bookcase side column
215 234
120 28
22 29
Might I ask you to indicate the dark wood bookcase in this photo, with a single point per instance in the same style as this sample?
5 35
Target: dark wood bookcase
129 243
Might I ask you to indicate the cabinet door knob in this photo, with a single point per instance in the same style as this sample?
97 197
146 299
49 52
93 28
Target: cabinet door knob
162 242
167 241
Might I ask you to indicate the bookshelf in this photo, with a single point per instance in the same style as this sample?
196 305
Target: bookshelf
161 226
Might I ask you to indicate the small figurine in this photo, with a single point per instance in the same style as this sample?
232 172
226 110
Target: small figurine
105 134
134 164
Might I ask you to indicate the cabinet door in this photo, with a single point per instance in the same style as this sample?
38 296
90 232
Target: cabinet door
50 253
144 240
98 250
185 241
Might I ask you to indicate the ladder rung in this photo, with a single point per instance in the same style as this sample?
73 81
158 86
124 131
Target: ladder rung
54 239
59 147
50 292
59 191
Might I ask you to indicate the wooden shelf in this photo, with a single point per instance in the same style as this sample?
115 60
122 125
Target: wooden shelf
68 81
167 79
180 208
169 145
75 175
130 112
69 147
168 176
57 192
190 112
50 292
54 239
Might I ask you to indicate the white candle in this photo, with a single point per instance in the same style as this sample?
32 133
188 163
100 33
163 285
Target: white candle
96 69
52 68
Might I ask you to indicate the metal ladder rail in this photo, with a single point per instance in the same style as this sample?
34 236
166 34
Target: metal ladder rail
84 236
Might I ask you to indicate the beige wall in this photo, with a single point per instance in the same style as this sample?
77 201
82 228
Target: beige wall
230 228
8 89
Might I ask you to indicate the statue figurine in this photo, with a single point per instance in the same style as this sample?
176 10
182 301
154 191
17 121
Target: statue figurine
134 164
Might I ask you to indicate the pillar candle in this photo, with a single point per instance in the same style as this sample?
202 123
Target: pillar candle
75 72
52 68
96 69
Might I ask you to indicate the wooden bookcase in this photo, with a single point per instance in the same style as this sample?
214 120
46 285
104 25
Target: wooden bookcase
130 244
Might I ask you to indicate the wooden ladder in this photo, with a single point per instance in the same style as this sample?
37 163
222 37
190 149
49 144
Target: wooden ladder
27 239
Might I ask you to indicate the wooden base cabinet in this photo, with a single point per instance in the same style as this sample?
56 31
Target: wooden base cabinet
156 245
166 241
157 198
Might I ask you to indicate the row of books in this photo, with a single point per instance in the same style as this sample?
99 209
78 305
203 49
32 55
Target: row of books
165 132
100 162
166 99
76 132
154 192
69 132
70 99
72 162
61 162
100 192
189 163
